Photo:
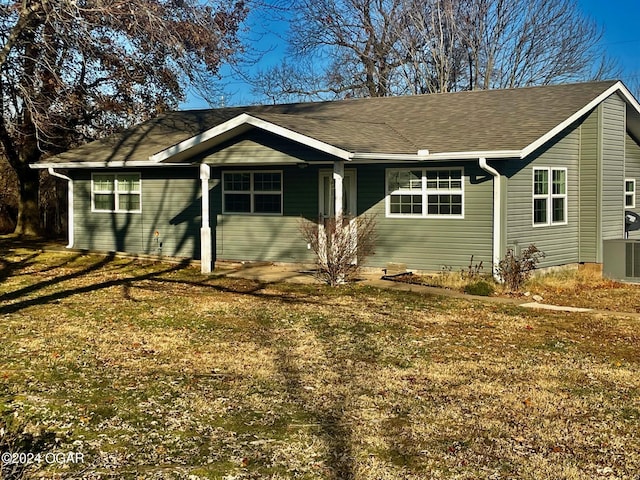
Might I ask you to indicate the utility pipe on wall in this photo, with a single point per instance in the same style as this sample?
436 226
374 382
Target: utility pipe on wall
497 214
53 173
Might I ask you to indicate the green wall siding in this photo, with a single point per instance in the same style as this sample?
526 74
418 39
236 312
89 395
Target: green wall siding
613 151
632 170
558 242
170 205
589 213
425 243
268 237
264 147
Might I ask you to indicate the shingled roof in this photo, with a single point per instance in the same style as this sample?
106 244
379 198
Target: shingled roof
478 121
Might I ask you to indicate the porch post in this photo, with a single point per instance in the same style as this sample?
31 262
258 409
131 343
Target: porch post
205 230
338 178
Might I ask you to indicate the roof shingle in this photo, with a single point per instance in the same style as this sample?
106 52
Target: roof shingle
448 122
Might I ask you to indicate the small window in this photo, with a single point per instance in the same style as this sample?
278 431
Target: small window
425 193
252 192
549 196
116 192
630 193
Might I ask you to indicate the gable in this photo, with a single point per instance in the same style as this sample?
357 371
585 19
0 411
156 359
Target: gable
259 147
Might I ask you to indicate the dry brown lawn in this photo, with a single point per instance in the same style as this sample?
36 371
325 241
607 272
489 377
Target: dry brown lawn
153 371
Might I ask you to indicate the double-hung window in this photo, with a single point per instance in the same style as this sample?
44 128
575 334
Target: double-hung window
436 193
630 193
252 192
120 192
549 196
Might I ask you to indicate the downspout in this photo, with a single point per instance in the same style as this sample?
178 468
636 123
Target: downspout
53 173
205 231
497 214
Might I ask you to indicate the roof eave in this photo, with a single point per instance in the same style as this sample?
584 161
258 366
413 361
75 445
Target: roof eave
617 87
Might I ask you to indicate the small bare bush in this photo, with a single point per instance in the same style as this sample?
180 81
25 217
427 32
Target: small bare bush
340 245
514 269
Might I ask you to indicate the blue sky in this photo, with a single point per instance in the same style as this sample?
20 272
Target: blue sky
620 19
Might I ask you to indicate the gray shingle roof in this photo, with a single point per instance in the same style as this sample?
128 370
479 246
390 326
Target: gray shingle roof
487 120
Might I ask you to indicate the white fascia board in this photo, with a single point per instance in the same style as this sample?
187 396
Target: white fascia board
246 119
618 87
409 157
124 164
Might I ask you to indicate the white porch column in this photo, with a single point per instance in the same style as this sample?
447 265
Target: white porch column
205 231
338 178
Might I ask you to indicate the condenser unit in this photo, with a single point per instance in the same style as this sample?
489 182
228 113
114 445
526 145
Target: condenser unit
621 260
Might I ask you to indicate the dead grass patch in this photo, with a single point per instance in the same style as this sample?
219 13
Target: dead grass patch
153 371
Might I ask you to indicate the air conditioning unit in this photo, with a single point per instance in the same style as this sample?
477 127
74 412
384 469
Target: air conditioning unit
621 260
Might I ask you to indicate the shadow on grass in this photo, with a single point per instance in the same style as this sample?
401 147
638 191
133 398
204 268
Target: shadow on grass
61 294
27 296
328 413
329 407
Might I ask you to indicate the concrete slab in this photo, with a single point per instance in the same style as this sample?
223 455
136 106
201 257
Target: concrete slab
557 308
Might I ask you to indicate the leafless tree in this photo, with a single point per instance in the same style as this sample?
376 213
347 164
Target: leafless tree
71 70
389 47
530 42
353 41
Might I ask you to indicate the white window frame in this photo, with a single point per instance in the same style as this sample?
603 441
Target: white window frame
424 192
252 192
630 194
115 192
550 196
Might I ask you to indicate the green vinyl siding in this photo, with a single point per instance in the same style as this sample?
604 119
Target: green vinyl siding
558 242
613 151
275 238
429 244
589 213
259 146
632 170
170 206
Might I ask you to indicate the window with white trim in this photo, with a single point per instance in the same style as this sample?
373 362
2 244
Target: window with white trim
549 196
425 192
252 192
116 192
630 193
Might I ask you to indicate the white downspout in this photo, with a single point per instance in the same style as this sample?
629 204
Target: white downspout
53 173
497 214
205 231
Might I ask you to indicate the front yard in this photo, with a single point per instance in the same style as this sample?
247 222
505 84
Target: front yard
154 371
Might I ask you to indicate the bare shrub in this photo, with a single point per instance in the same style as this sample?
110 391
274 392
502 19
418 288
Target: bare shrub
340 245
514 269
473 271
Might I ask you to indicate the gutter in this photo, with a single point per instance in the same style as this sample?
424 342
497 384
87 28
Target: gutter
424 155
117 164
70 224
497 214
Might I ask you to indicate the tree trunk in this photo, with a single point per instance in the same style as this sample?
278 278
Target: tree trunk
28 206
